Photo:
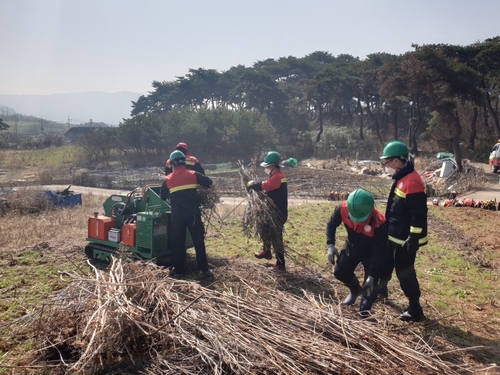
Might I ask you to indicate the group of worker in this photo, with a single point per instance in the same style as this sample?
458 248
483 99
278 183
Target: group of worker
381 243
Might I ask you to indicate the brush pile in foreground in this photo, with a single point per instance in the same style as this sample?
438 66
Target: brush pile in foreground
133 317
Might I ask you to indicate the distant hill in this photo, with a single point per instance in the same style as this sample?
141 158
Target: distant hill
110 108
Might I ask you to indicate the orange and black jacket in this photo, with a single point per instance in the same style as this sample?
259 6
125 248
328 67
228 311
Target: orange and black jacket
406 210
180 187
276 188
191 163
363 239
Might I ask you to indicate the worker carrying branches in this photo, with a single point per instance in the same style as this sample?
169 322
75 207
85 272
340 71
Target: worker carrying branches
276 189
366 240
180 187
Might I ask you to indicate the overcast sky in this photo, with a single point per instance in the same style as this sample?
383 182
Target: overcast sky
63 46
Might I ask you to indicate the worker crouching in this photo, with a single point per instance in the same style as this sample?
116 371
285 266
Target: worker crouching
366 240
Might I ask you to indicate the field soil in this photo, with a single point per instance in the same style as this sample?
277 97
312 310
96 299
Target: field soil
469 231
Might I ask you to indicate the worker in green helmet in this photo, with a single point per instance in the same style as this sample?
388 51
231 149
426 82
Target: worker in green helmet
276 188
366 241
406 214
180 187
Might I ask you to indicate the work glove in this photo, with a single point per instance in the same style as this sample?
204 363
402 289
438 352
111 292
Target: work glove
411 244
332 253
368 287
251 184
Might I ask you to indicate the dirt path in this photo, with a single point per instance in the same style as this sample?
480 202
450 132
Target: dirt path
235 201
488 192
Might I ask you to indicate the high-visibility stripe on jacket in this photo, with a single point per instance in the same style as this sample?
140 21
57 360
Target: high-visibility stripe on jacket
180 186
363 239
406 210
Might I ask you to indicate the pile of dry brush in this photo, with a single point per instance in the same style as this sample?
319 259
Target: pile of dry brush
132 318
24 201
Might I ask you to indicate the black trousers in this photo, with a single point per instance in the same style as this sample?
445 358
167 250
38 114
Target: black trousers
346 264
178 242
277 243
403 261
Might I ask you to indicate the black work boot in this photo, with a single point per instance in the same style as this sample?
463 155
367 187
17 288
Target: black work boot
351 298
365 307
413 313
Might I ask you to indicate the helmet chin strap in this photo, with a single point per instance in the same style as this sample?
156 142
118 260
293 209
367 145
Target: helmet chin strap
404 162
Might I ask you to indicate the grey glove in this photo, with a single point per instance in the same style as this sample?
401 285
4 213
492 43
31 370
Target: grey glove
332 253
368 287
411 244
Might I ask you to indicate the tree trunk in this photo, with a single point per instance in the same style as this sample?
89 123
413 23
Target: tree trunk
485 117
411 121
453 122
415 130
493 115
375 121
320 120
412 138
457 150
473 134
360 109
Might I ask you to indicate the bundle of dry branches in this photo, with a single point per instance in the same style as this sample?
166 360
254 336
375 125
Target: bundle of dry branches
134 317
209 198
261 218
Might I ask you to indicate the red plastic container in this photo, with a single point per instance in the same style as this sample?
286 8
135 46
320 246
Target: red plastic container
128 234
99 226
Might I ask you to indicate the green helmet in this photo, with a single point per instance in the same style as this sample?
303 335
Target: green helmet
394 149
177 157
360 204
271 158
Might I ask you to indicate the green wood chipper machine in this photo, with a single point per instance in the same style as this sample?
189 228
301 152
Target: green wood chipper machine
137 222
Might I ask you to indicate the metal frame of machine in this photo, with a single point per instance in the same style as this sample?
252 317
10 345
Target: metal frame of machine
137 222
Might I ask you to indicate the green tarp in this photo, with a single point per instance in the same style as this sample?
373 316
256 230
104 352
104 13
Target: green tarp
445 155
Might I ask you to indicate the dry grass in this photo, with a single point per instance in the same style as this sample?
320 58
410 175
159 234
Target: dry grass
28 220
25 201
254 322
135 317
